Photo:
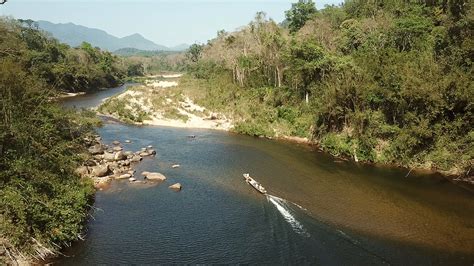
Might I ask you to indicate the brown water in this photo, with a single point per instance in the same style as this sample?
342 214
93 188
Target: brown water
319 211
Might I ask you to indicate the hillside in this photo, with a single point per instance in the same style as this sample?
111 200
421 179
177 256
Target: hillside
74 35
388 84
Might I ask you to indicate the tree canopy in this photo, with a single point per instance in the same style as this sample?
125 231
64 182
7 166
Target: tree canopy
386 81
299 13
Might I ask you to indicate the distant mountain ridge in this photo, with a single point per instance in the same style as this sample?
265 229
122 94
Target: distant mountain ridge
136 52
74 35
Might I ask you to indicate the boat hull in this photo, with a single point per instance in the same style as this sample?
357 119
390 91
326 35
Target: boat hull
257 186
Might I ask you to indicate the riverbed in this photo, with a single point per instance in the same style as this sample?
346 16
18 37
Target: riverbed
319 210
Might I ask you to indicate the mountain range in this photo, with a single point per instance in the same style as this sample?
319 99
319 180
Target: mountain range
74 35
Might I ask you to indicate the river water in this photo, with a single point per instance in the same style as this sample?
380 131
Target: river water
319 210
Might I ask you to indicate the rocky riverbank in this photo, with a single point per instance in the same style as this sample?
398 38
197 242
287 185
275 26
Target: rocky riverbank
113 161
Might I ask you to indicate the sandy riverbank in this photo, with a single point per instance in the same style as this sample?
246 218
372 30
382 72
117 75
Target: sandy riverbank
161 103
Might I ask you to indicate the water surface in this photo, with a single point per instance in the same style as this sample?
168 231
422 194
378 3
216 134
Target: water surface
319 211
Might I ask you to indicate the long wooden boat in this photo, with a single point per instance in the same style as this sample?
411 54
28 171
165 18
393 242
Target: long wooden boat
255 184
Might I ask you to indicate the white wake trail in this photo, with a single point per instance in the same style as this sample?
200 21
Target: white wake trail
283 208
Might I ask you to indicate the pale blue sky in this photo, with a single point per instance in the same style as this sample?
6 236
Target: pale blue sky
162 21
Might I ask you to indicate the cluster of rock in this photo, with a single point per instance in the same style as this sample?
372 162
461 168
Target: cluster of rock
113 162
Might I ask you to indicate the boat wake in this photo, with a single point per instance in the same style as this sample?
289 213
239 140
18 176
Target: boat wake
284 209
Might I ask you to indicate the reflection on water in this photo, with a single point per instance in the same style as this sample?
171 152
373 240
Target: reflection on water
319 211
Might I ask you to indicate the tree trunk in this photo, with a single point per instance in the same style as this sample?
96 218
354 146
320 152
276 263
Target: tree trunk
279 76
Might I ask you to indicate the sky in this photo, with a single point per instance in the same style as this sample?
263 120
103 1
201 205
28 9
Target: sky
164 22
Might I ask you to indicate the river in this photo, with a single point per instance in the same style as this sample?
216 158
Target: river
319 210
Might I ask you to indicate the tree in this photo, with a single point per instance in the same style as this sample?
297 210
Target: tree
300 13
194 52
135 70
308 64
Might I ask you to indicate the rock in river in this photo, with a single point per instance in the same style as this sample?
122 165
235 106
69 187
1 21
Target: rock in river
109 157
176 187
155 176
135 159
116 142
124 176
117 148
101 170
120 156
96 149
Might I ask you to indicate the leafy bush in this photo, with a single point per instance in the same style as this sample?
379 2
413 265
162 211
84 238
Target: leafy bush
254 128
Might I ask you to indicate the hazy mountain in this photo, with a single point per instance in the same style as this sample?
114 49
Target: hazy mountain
180 47
137 52
74 35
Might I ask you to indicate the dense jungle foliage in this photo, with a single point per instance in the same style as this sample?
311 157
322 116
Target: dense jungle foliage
43 202
380 81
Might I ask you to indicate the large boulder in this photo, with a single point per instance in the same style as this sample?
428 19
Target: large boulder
136 159
119 156
124 176
176 187
90 163
96 149
109 157
82 171
101 170
155 177
117 148
116 142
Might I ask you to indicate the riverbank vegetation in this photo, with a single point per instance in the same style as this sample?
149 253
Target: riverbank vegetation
44 203
385 82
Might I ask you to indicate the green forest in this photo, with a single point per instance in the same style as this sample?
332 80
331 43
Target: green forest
43 202
378 81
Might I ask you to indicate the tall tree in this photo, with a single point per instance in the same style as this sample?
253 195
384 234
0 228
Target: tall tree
300 13
194 52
